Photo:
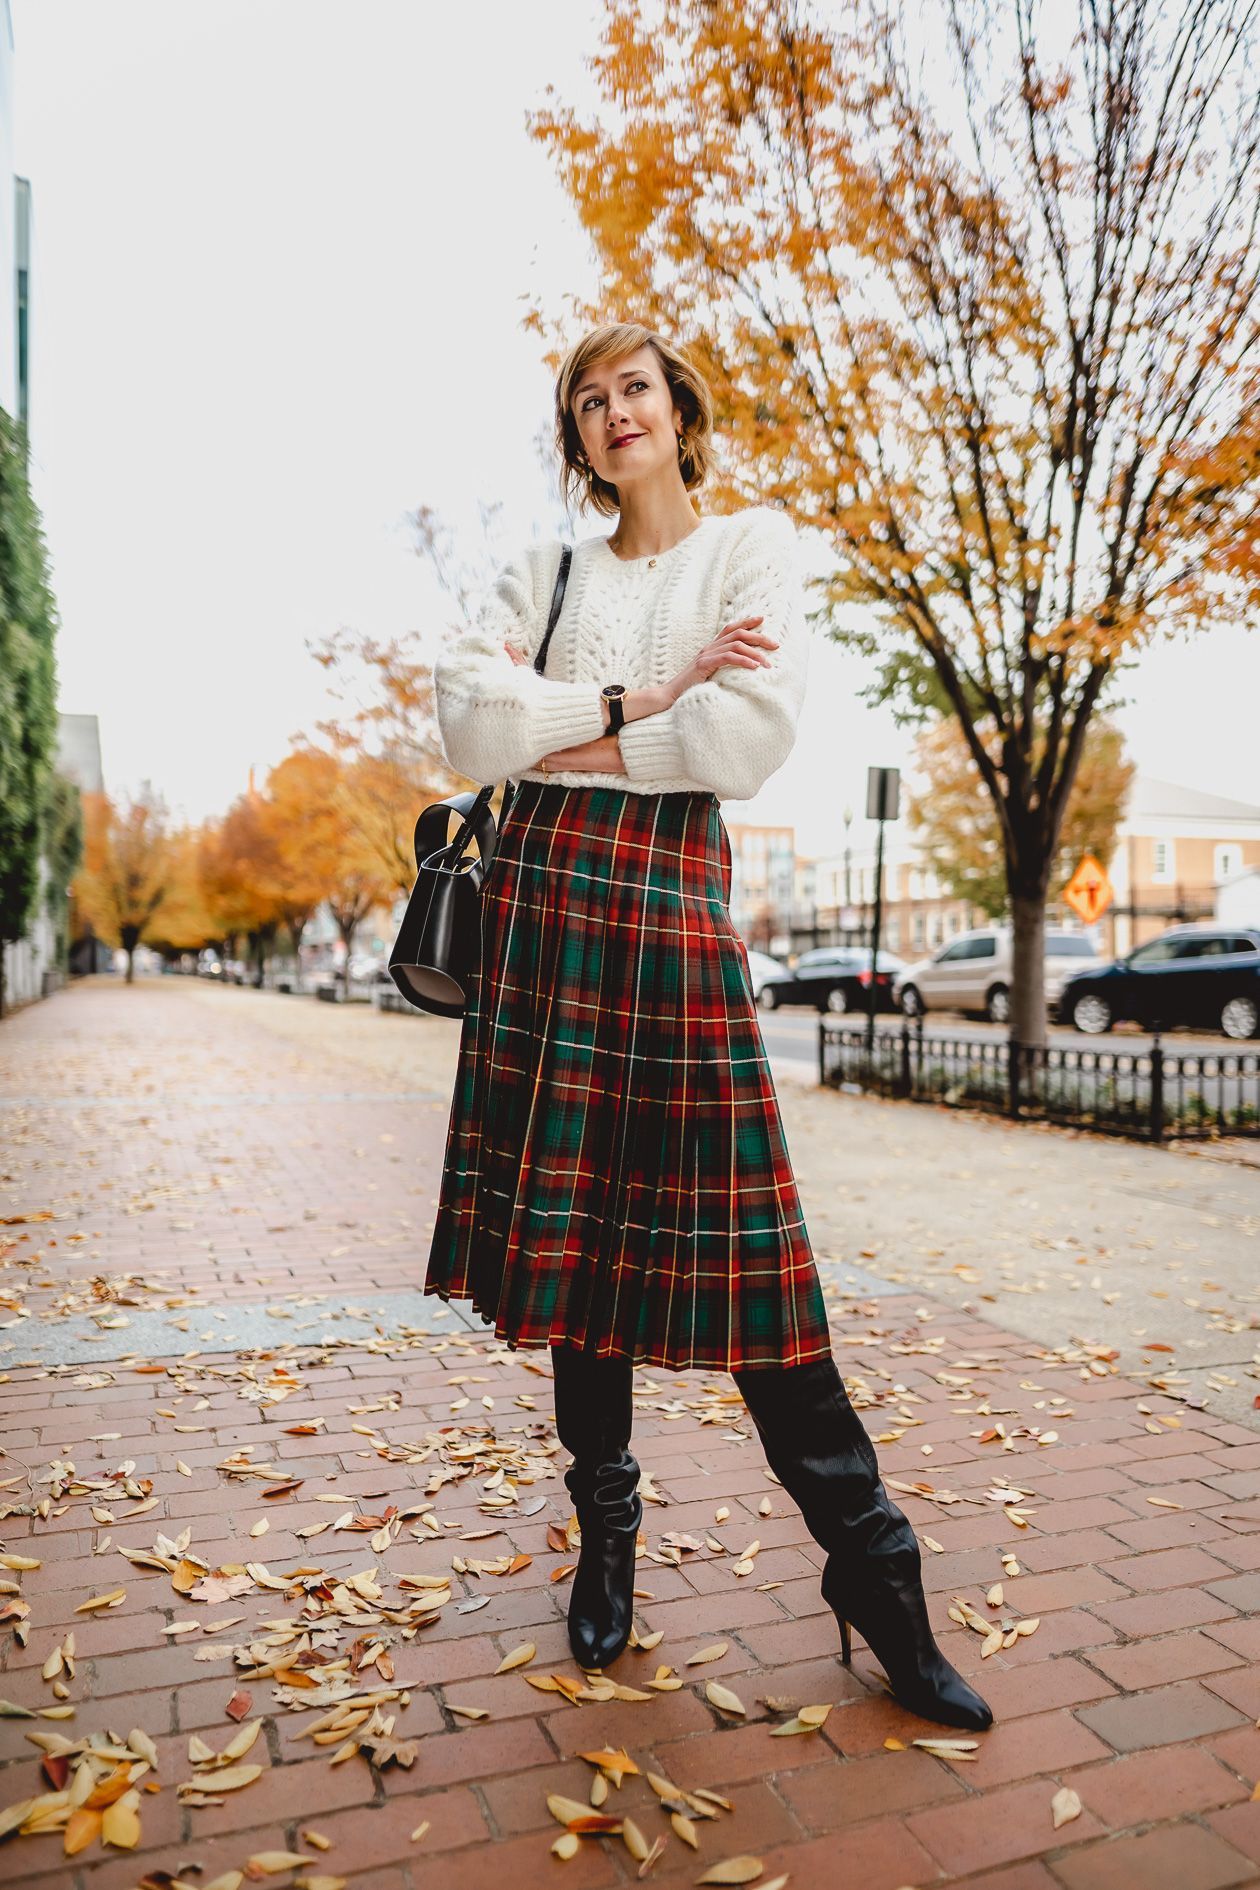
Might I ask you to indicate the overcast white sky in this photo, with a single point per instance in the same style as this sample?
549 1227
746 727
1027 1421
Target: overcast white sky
279 251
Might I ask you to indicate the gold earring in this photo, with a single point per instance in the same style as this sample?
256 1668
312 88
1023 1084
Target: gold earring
682 443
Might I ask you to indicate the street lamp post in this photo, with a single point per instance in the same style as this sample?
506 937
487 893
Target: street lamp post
883 792
848 822
849 896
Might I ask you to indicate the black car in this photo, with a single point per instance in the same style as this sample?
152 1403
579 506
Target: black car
1206 976
833 978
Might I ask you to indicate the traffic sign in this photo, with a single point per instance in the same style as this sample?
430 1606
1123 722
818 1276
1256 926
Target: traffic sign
1089 891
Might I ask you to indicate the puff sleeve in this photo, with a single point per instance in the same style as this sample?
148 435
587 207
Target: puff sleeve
497 718
732 731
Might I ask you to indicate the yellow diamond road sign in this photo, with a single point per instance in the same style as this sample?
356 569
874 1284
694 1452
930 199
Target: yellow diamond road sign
1089 892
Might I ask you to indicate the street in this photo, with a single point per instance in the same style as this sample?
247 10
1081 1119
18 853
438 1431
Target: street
216 1204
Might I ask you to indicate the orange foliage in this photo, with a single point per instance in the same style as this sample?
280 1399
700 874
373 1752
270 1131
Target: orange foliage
986 322
958 831
183 922
126 871
276 855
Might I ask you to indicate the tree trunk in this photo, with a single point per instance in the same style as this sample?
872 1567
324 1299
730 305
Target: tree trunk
296 929
131 965
1028 968
347 939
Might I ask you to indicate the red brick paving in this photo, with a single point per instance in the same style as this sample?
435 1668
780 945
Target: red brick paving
1138 1691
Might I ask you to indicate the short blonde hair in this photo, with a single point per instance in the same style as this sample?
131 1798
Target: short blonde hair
688 390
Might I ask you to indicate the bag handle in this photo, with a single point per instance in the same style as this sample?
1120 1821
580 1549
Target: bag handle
540 664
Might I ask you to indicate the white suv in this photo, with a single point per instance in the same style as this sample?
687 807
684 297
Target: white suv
973 973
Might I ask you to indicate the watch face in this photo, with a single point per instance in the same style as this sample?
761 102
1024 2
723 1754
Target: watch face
613 689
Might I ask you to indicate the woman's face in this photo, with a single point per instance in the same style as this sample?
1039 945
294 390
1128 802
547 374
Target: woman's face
627 420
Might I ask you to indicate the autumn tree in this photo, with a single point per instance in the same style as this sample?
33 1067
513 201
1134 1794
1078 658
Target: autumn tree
957 826
361 879
323 806
299 790
184 921
974 283
240 873
126 868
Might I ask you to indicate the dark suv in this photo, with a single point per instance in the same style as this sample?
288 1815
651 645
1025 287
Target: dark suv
1206 976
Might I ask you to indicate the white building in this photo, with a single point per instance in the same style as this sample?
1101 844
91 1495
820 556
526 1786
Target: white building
1177 852
29 962
1238 898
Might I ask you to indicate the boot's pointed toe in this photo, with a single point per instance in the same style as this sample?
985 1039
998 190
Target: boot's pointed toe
948 1700
817 1446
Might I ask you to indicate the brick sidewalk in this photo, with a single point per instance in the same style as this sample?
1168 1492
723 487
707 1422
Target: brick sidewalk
390 1461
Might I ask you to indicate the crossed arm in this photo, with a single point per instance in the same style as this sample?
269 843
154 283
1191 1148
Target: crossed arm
602 756
728 729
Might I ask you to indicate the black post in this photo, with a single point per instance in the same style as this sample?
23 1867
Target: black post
883 795
1157 1089
872 990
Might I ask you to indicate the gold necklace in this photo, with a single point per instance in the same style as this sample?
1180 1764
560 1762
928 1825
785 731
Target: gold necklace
613 546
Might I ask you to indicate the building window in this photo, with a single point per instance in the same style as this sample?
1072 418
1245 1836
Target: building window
1165 862
894 934
1227 861
916 883
918 928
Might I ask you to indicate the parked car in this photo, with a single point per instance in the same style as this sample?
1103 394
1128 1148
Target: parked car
833 978
762 966
1207 976
973 972
366 969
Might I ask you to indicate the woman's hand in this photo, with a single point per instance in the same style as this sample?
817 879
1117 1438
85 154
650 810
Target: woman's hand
602 756
740 642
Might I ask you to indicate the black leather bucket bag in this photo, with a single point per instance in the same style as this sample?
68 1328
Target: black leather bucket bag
437 953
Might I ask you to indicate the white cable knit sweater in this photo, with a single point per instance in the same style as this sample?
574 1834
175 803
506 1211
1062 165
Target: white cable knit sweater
636 622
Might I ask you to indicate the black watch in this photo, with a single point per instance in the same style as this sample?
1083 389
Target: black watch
612 693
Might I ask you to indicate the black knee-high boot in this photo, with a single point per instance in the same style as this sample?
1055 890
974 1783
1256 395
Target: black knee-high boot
594 1418
818 1448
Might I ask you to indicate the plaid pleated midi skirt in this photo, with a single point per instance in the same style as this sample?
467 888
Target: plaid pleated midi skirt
616 1176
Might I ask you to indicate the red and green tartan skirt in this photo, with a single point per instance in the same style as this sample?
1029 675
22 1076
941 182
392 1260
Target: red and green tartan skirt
616 1175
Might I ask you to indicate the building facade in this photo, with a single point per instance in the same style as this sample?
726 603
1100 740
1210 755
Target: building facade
1176 848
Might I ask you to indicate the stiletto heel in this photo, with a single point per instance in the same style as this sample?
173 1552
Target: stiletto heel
816 1445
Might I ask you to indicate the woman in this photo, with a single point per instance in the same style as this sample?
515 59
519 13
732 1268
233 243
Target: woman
616 1184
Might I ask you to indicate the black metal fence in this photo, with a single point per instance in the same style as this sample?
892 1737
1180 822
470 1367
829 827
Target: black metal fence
1148 1093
